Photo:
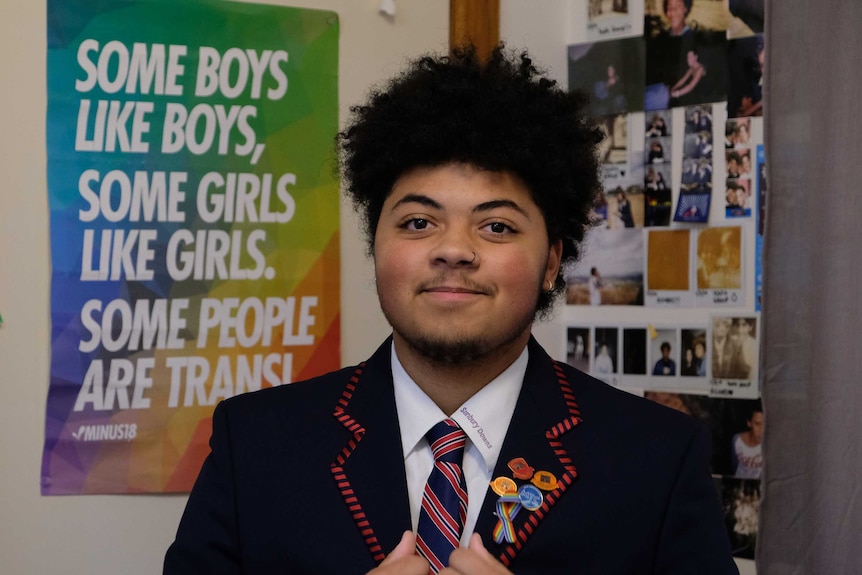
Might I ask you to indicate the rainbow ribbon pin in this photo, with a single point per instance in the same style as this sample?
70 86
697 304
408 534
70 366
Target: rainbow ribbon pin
507 508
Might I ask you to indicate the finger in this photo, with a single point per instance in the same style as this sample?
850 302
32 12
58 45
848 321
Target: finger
475 559
403 560
410 565
405 548
478 546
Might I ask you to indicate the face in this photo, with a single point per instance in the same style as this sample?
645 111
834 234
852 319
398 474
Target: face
675 12
461 256
721 327
699 350
755 424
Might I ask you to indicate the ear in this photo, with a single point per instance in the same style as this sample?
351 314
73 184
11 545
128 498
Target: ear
555 257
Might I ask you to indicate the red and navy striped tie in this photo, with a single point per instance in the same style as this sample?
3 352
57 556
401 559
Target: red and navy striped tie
444 502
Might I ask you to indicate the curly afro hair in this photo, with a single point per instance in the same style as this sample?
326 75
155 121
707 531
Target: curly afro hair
500 115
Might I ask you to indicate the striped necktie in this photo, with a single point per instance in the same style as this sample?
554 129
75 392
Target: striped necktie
444 502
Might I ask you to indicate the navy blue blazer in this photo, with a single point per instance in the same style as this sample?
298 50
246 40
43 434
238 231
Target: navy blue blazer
309 478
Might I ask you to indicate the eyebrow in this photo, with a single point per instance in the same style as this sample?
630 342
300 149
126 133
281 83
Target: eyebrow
417 199
483 207
493 204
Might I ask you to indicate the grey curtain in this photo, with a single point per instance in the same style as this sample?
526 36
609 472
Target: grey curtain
811 509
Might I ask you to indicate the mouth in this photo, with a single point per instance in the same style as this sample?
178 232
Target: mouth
455 292
452 290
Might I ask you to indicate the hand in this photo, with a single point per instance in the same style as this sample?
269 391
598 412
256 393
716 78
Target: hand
403 560
474 560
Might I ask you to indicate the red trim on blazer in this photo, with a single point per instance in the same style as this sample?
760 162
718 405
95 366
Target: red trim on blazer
337 468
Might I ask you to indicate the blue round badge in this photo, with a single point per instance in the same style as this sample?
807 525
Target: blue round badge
531 497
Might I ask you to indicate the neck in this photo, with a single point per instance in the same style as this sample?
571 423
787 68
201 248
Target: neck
449 385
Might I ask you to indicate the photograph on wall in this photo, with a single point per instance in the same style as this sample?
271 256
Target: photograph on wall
686 51
614 148
659 123
611 73
692 207
620 156
625 209
634 351
698 119
657 151
194 236
608 19
745 61
738 198
735 425
697 146
719 255
737 134
738 163
746 18
734 349
606 354
694 353
604 8
658 196
664 352
731 422
668 276
578 346
696 176
610 271
693 204
658 193
740 499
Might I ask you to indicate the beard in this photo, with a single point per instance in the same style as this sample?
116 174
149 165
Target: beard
450 348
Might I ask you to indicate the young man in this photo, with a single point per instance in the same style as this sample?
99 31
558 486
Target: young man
475 181
665 365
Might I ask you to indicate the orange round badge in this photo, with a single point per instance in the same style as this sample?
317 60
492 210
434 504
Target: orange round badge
504 486
544 480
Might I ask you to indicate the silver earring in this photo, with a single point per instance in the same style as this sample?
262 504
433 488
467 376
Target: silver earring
550 286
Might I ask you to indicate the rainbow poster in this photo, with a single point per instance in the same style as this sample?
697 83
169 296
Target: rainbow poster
194 226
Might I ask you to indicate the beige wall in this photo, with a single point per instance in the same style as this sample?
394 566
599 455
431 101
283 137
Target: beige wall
109 535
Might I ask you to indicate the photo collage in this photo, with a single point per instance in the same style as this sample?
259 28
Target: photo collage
665 301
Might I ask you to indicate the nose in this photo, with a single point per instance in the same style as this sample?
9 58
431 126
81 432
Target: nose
455 249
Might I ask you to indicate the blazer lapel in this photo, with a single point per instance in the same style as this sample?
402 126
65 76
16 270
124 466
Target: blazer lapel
369 471
545 411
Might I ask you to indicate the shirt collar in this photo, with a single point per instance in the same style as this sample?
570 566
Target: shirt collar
484 417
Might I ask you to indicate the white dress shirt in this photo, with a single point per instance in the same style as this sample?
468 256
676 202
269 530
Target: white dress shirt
484 418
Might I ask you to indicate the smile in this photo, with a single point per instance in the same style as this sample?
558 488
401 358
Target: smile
451 294
452 289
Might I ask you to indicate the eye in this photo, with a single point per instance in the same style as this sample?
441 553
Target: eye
499 228
415 224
